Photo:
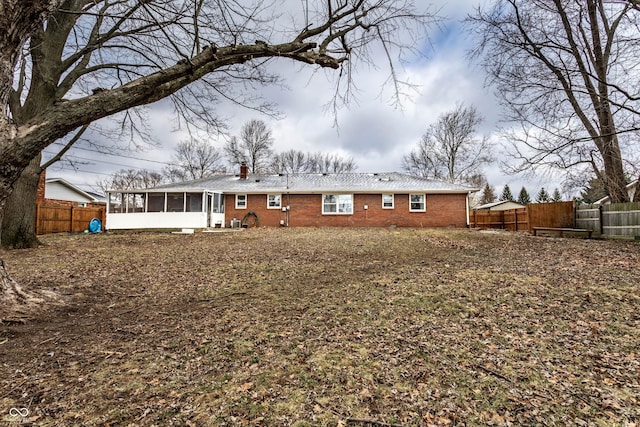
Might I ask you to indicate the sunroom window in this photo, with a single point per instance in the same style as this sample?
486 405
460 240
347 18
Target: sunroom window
337 204
155 202
194 202
116 204
135 202
175 202
218 203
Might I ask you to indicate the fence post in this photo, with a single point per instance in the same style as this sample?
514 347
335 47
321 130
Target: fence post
71 224
601 220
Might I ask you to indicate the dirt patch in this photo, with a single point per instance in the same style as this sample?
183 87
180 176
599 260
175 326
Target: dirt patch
327 327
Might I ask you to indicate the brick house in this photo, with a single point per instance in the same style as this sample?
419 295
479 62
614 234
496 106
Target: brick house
295 200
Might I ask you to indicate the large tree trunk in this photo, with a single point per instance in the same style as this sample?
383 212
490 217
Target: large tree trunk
15 303
18 21
615 183
19 221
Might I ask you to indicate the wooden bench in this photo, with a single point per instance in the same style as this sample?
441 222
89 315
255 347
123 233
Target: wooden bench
563 230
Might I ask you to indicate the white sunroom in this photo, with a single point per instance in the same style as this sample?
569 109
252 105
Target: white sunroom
141 209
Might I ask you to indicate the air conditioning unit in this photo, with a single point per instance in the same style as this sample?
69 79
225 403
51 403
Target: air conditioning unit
235 223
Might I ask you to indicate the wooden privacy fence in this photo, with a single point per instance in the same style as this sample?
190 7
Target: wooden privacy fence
620 219
66 219
557 215
512 219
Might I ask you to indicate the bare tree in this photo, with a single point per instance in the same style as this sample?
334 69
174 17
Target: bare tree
330 163
176 44
450 149
566 71
130 179
294 161
291 161
253 147
194 159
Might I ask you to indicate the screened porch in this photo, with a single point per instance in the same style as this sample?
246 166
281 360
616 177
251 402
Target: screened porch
164 210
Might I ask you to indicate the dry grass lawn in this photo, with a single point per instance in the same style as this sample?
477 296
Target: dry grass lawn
326 327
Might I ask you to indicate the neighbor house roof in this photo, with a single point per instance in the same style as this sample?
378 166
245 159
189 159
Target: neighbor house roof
59 189
391 182
632 187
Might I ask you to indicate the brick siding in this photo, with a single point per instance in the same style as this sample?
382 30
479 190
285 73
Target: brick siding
41 185
442 210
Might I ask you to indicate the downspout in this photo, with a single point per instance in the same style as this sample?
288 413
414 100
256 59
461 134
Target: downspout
288 206
107 210
467 208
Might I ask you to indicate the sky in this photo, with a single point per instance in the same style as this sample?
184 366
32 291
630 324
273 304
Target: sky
373 131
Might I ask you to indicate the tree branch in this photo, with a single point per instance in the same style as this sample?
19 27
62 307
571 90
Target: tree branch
66 148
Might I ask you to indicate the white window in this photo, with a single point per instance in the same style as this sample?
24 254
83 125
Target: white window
274 201
241 201
387 201
337 204
417 203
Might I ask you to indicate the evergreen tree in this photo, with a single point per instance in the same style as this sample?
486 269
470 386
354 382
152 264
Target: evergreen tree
488 195
556 197
506 194
593 191
543 196
523 197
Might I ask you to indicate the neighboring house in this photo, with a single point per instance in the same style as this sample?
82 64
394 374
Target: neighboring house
503 205
57 191
61 207
351 199
632 187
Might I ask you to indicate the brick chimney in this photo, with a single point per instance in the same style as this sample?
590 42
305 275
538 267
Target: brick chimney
41 186
244 170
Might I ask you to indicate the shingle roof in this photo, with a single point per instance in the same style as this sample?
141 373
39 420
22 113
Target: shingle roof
317 183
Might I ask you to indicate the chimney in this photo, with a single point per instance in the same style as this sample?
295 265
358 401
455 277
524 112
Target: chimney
41 187
244 170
